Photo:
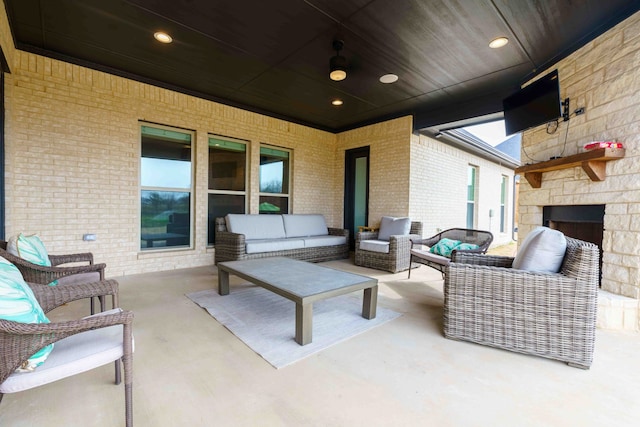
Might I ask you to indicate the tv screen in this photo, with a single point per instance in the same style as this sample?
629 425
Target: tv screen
533 105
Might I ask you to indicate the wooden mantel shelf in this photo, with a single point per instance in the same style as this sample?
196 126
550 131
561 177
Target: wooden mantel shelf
593 162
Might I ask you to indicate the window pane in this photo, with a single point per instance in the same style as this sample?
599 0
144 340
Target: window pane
219 206
227 165
470 215
471 183
165 219
166 158
274 171
274 205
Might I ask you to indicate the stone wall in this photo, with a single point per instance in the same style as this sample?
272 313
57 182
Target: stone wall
603 77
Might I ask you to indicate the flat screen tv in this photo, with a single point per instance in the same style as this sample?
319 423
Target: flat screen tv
533 105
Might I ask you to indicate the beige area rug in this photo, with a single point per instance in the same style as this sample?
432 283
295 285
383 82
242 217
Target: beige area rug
265 321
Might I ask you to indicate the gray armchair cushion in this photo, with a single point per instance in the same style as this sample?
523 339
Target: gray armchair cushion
375 246
390 226
542 250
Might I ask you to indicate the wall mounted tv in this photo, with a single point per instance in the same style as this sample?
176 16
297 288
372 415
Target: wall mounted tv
533 105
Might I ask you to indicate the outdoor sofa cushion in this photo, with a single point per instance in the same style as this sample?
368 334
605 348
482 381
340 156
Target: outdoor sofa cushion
303 225
542 250
390 226
256 226
270 245
379 246
318 241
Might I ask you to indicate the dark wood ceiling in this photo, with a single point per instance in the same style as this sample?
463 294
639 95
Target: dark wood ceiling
272 56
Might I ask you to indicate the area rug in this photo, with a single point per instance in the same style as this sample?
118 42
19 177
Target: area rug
265 321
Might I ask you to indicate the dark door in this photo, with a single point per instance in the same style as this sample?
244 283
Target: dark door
356 191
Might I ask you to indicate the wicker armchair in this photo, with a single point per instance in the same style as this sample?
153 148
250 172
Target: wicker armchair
466 235
551 315
80 344
66 276
397 259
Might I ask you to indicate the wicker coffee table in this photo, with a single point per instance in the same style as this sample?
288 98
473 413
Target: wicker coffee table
301 282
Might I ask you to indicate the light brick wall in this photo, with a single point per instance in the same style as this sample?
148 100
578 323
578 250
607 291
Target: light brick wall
73 149
439 189
603 77
389 166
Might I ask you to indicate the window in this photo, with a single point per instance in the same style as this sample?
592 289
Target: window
274 180
472 177
166 186
503 203
227 179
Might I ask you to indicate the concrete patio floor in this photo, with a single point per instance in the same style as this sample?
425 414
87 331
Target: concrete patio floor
190 371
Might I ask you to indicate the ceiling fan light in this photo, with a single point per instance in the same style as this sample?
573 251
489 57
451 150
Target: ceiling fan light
338 68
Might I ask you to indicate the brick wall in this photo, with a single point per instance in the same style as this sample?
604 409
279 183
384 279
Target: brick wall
73 154
439 189
603 77
73 148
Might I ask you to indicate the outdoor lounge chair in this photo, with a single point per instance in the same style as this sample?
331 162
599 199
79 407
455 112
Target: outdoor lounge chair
386 249
488 301
482 239
65 276
80 345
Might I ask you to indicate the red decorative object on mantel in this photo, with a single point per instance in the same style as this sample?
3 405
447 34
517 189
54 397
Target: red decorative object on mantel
603 144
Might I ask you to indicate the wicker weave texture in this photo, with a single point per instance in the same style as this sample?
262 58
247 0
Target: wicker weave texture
476 237
399 247
231 247
542 314
18 341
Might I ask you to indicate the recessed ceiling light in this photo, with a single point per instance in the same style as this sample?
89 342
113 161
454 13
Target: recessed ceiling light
337 102
163 37
389 78
498 42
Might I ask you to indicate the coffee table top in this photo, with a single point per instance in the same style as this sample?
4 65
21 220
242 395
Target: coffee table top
297 280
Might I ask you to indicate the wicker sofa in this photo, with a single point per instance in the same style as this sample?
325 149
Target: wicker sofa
551 315
303 236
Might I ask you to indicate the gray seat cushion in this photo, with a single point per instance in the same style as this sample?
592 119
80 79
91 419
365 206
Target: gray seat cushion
317 241
379 246
71 356
270 245
79 278
426 255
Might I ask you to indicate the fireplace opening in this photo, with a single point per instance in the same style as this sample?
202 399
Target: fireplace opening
584 222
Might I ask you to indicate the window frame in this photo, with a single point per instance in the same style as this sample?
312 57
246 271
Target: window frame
289 176
191 190
473 202
244 193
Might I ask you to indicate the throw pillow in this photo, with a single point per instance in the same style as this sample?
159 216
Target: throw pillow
29 248
444 247
390 226
466 247
542 250
17 303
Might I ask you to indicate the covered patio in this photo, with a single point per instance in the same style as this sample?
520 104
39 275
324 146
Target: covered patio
402 373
